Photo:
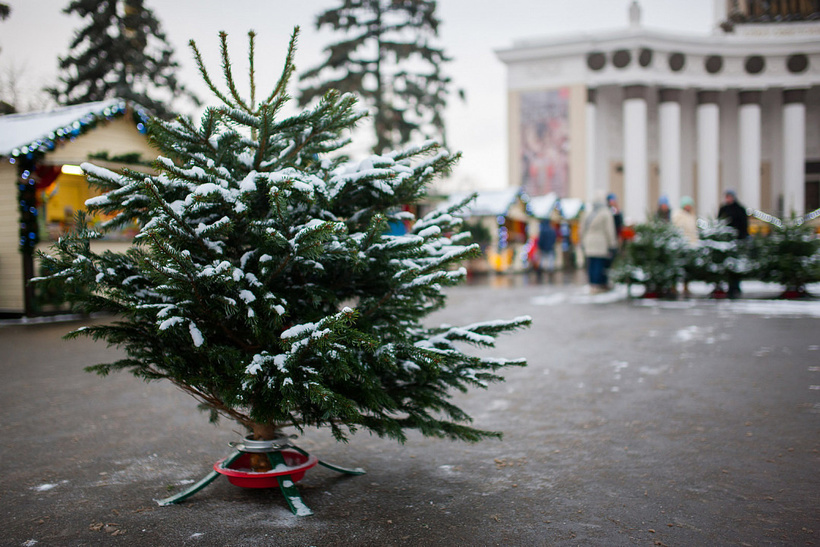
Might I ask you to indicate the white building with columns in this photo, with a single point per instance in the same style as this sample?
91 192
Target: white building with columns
644 113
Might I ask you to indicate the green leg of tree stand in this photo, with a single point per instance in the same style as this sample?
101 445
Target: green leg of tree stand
196 487
288 488
355 471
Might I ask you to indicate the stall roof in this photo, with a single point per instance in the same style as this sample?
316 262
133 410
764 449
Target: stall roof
571 207
21 133
487 203
541 206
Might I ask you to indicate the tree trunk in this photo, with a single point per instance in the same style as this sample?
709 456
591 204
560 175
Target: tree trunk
263 432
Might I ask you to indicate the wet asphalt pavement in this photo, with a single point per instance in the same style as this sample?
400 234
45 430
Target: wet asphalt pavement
635 423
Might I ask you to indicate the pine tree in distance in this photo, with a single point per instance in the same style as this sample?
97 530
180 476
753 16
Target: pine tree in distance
264 281
122 52
388 59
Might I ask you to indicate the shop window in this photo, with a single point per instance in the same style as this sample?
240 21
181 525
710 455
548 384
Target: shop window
60 200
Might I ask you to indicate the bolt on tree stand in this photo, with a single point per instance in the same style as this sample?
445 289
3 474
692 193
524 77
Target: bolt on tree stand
289 464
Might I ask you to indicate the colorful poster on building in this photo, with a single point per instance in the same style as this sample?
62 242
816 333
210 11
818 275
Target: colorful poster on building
545 142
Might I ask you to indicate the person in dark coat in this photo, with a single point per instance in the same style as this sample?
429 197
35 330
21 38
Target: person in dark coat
547 237
735 215
617 217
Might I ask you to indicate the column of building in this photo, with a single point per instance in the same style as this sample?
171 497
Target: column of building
708 161
636 161
669 121
708 158
794 151
592 153
749 148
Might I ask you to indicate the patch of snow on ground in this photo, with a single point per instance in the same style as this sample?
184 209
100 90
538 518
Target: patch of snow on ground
758 299
688 334
498 404
47 486
778 308
763 352
148 468
697 334
549 299
619 366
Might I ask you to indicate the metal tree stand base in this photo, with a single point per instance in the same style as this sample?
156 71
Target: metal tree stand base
285 475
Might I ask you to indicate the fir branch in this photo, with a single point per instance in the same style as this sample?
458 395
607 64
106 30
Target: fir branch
227 73
251 69
287 71
159 201
203 71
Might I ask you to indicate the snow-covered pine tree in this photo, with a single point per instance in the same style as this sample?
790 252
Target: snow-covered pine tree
122 52
654 258
264 281
387 57
718 255
789 256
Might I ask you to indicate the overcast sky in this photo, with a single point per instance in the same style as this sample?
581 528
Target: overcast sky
37 32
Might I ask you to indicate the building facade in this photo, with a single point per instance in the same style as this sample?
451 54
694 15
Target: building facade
646 114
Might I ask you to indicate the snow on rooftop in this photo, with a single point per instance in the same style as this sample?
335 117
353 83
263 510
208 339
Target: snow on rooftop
19 130
487 203
571 207
541 206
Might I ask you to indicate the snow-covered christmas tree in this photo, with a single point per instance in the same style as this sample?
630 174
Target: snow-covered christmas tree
789 256
719 254
654 258
264 280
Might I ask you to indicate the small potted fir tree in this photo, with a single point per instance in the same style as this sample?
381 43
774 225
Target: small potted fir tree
654 258
718 256
264 281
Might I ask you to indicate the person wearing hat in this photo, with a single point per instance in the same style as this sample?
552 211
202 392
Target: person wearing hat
664 213
617 217
685 220
735 215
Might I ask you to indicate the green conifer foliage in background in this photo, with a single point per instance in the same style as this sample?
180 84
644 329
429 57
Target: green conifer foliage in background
121 52
388 59
655 258
719 254
789 256
264 280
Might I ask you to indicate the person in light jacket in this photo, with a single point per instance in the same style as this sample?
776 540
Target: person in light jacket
687 222
599 242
